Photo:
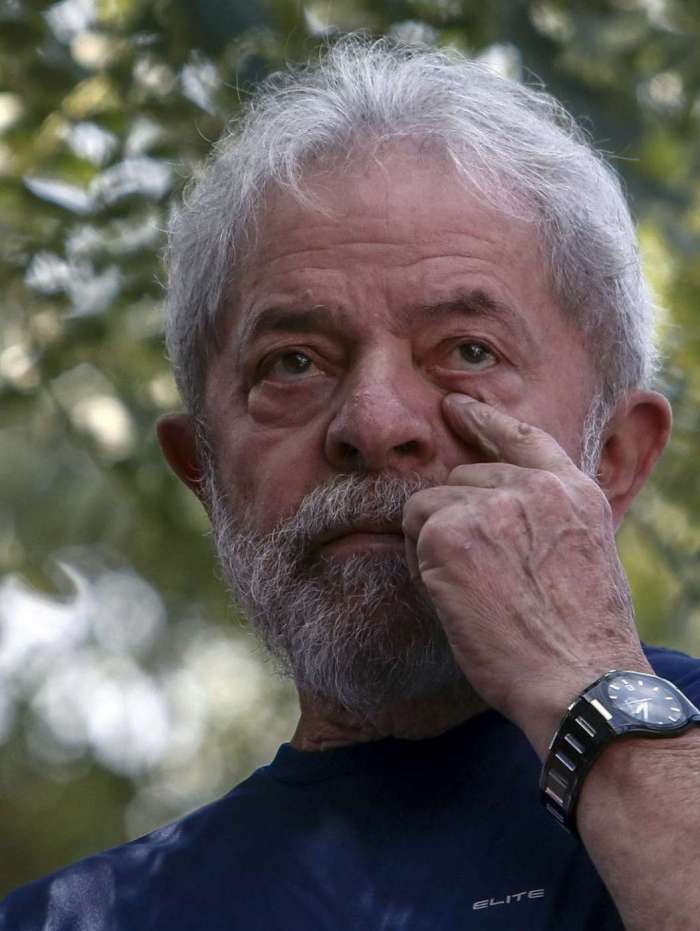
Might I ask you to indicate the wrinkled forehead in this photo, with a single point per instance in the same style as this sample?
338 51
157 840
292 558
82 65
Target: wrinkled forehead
400 193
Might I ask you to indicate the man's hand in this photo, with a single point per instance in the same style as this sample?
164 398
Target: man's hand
518 556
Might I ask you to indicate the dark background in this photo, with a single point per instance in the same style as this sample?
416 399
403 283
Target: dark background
128 692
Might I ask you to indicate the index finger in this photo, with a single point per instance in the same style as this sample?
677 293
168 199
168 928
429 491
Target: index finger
504 437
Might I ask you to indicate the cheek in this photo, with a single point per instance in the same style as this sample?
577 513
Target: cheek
558 412
508 393
268 467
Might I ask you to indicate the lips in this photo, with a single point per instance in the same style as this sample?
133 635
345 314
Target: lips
361 528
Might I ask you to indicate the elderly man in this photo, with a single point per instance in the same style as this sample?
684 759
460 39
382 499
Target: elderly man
409 325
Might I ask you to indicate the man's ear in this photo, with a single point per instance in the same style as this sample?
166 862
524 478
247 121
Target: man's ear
178 441
634 439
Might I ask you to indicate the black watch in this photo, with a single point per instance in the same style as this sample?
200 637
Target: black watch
619 704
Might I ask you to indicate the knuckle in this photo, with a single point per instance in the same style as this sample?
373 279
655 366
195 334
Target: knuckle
544 482
598 504
412 517
430 534
525 433
589 491
418 500
442 525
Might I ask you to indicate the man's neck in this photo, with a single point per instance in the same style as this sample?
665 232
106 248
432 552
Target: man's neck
324 725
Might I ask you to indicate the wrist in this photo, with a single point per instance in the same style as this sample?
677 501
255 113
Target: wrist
541 714
628 787
626 704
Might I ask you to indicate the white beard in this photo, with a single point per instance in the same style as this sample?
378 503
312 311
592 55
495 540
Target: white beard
356 630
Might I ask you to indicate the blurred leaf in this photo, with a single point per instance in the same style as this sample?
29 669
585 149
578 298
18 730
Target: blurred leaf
104 111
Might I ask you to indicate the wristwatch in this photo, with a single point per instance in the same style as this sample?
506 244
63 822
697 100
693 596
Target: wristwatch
618 704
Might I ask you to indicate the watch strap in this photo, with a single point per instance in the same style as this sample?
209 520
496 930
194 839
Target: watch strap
580 738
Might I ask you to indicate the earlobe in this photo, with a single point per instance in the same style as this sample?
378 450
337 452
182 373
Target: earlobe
635 438
178 442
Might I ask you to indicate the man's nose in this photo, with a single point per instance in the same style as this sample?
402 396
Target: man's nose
385 421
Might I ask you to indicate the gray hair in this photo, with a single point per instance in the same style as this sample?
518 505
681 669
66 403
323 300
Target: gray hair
516 144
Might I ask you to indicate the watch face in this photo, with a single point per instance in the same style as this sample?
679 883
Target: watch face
645 699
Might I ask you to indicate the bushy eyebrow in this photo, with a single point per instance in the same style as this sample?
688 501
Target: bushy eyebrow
292 319
320 318
317 318
474 303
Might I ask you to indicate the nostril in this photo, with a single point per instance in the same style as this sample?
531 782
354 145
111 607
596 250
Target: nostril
408 448
348 451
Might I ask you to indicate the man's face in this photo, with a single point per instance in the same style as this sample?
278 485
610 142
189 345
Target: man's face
350 325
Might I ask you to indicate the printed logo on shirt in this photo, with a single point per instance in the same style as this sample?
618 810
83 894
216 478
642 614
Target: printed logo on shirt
509 899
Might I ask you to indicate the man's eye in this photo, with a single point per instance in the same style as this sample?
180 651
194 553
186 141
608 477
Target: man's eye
289 366
473 354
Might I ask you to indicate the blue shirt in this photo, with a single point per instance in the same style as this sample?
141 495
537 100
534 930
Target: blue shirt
433 835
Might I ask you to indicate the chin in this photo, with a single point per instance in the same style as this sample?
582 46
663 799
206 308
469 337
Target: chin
356 631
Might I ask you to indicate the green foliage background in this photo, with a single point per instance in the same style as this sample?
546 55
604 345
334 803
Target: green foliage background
128 693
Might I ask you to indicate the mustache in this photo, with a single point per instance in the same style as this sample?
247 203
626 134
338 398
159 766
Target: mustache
342 502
